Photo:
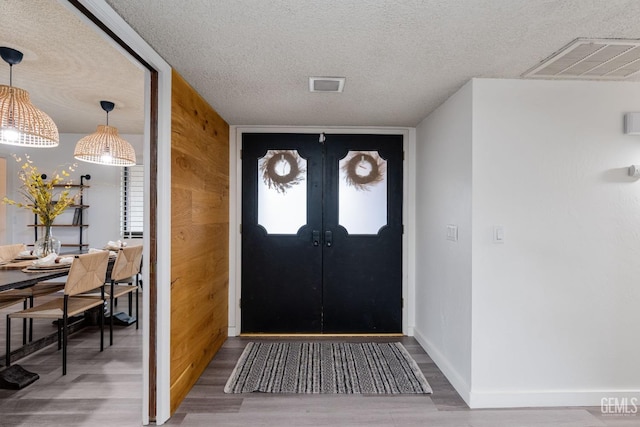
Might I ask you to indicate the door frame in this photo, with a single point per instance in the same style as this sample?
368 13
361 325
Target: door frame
408 212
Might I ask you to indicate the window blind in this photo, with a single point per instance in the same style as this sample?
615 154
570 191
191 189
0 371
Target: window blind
132 202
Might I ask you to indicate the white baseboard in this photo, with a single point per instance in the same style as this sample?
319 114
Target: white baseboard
461 386
626 399
552 398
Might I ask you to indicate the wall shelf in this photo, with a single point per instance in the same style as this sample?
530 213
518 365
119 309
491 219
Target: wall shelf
59 225
72 217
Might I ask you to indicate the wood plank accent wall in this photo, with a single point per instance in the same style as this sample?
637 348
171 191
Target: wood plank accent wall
200 236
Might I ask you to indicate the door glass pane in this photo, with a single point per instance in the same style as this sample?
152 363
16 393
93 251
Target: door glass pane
362 200
282 191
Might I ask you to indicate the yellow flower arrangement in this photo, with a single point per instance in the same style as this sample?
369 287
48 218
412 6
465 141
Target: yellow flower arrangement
40 196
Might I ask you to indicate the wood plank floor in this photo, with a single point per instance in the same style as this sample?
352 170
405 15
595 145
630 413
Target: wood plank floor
100 389
104 389
208 405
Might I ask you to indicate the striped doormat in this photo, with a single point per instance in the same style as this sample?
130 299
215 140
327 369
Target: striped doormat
325 367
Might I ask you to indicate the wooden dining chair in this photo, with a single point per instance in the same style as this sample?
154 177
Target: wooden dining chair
9 298
24 295
10 252
87 272
8 301
125 272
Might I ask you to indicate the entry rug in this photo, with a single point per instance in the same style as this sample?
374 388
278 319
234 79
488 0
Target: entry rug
325 367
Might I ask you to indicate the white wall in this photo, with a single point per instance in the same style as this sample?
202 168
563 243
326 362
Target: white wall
556 308
103 196
550 317
443 267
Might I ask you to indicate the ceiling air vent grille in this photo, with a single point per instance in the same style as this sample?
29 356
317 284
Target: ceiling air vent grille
326 84
591 59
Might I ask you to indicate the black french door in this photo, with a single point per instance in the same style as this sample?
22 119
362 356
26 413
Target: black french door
321 233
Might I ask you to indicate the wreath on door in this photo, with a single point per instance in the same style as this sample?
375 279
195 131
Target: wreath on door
282 169
364 169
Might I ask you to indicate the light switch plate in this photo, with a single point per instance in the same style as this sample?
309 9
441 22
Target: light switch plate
452 232
498 234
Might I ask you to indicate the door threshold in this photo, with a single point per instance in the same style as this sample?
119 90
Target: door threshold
303 335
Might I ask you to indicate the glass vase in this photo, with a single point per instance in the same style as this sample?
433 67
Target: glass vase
47 244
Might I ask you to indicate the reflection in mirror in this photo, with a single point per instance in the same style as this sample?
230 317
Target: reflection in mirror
362 202
282 191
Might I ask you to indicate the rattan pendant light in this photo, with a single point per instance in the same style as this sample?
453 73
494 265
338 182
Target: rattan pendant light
22 123
105 147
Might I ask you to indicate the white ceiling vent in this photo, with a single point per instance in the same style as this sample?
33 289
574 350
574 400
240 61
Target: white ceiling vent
591 59
326 84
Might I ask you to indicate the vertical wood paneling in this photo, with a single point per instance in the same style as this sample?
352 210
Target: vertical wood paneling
200 236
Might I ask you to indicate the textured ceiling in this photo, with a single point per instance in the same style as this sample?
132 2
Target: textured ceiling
68 68
251 59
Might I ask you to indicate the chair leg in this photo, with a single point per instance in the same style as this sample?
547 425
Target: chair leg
111 313
102 326
130 302
24 324
137 310
8 346
31 320
64 336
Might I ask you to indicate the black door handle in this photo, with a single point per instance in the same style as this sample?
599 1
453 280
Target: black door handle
316 237
328 238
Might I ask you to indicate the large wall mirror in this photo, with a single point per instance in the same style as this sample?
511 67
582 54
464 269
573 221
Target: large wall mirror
68 68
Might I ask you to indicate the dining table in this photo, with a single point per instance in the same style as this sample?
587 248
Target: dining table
12 276
17 274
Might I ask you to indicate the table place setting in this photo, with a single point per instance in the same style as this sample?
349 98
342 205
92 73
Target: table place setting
112 246
112 254
48 263
25 255
115 245
16 264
